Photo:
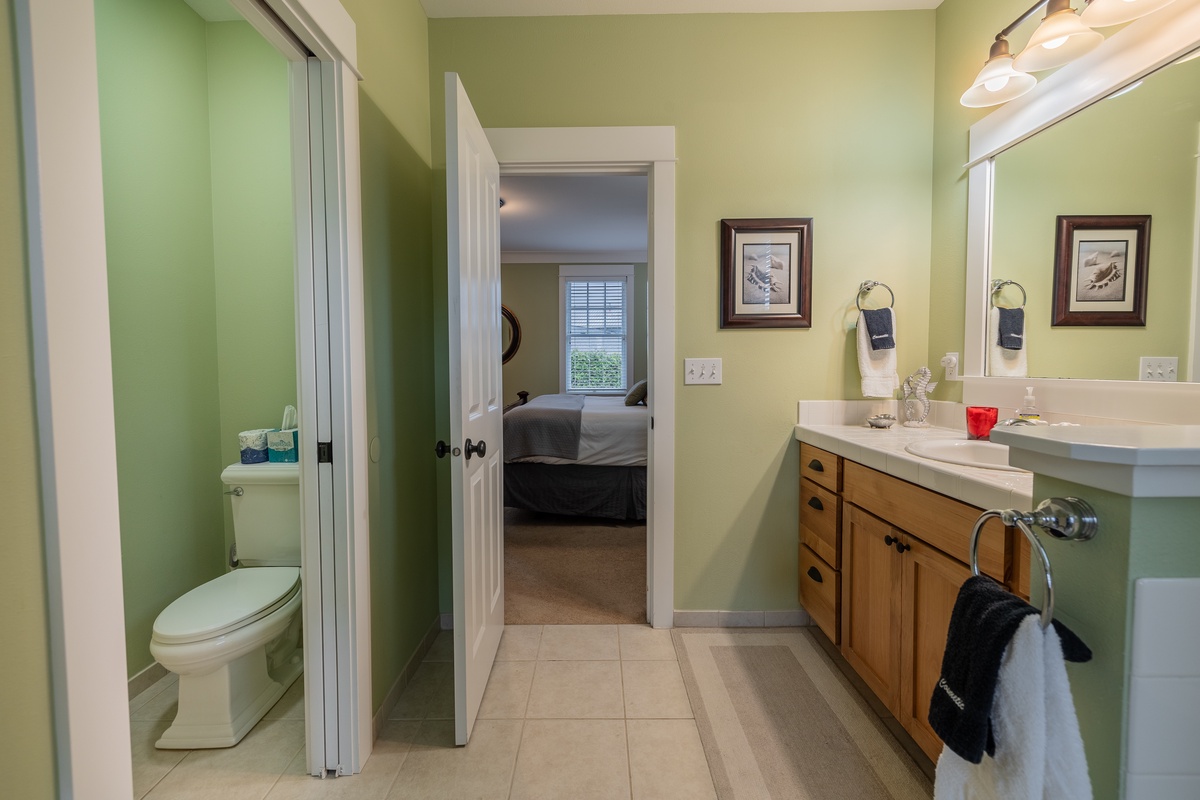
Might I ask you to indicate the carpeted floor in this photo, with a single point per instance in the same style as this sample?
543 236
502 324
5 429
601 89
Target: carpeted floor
572 571
777 719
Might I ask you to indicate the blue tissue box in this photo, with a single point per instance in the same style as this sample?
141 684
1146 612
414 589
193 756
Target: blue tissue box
283 447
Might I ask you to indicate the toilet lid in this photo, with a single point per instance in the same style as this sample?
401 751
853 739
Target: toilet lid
227 603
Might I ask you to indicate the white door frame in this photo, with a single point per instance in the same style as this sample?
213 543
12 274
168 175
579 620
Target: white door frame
646 151
64 207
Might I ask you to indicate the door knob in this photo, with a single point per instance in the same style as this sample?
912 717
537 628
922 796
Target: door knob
475 449
442 449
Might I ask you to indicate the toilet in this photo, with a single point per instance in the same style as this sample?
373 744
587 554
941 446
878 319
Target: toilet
235 641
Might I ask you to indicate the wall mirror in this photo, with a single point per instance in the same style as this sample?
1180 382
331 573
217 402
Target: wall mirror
1115 133
510 334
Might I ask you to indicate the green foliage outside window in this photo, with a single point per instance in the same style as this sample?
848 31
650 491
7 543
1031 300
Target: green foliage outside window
595 369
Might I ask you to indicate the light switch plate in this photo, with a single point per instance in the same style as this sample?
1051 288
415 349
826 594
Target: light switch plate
1158 368
702 370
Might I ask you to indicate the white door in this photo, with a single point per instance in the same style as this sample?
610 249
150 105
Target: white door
476 409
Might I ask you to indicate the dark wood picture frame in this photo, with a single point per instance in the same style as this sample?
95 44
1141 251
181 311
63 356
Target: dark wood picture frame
1105 255
782 303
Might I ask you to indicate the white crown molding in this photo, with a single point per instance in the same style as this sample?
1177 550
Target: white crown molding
560 257
556 8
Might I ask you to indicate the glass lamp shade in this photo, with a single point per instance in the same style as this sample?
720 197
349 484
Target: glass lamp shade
1102 13
1061 38
997 83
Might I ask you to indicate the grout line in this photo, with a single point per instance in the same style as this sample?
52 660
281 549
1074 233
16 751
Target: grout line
512 778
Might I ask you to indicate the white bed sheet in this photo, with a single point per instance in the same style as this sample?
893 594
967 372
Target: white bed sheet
611 434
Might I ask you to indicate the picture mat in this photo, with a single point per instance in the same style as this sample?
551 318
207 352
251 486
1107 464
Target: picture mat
780 244
1108 242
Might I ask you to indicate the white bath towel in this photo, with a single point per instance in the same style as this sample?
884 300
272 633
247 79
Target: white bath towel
877 367
1039 751
1003 363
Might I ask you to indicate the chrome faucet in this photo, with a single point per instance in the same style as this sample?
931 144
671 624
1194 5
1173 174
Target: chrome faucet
1013 421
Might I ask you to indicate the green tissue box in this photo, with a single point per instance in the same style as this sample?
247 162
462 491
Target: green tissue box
283 447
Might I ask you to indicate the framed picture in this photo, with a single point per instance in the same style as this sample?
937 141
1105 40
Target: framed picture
766 273
1100 270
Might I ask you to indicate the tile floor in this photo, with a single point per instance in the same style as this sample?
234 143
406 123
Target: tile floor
570 711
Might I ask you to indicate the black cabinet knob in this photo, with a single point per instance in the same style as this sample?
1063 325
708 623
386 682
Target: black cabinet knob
890 540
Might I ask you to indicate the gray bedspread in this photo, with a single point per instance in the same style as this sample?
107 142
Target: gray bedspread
545 426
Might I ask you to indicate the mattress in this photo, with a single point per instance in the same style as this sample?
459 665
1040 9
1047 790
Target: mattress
610 434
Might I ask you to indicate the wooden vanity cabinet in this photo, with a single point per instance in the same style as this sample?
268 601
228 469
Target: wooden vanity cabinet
819 578
871 609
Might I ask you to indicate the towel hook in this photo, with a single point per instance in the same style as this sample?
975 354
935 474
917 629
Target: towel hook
867 286
1067 518
998 284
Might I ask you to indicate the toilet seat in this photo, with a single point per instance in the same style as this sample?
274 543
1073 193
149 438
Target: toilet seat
225 604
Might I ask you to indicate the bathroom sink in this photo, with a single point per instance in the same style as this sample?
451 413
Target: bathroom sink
968 452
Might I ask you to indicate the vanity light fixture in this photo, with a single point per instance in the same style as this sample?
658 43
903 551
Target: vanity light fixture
1102 13
997 82
1061 38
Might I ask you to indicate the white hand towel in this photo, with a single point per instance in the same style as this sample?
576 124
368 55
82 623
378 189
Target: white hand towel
1003 363
877 367
1039 751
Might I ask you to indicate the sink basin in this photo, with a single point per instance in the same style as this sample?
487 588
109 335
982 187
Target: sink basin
968 452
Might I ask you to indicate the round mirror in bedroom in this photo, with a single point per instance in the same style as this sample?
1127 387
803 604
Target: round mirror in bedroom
510 334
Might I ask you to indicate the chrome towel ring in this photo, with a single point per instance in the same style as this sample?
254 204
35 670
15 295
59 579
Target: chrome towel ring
867 286
1067 518
997 285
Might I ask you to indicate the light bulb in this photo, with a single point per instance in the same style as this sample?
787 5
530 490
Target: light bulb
1055 43
996 84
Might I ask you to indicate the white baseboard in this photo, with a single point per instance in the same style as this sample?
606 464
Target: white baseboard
146 678
790 618
406 675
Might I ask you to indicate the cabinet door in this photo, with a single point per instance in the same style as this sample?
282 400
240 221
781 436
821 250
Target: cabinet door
931 583
871 592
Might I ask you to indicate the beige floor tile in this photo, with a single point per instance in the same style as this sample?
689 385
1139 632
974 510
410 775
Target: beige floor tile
576 690
643 643
443 648
520 643
245 772
151 692
654 690
572 758
666 760
579 643
507 693
429 695
437 770
150 765
161 707
291 705
373 783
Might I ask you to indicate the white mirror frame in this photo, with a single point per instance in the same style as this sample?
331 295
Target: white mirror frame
1127 56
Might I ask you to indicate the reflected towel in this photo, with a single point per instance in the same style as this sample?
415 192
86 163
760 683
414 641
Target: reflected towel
1012 328
1002 362
877 367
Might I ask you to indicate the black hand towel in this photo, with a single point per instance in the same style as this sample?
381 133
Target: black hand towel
879 328
983 622
1012 328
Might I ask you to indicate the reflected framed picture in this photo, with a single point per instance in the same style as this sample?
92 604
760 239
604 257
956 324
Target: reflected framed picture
1100 268
766 273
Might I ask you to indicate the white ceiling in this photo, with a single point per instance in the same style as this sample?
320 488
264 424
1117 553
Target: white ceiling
549 218
562 8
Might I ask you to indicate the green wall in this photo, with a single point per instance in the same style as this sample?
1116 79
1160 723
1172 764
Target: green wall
531 292
152 63
821 115
1133 154
26 715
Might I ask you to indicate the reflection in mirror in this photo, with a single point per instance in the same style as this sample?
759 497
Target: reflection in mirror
1133 153
510 334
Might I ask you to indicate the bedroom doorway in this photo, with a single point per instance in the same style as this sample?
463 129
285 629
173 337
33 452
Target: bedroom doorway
573 252
648 152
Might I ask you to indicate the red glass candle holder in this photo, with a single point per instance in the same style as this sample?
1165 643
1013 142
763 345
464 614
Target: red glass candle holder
980 420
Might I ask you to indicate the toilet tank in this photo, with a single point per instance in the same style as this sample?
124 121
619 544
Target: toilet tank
266 513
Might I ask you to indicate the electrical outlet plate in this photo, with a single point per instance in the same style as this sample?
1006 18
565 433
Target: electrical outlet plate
1158 368
950 362
702 370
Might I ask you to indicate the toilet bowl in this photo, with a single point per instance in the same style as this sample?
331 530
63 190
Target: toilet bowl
234 642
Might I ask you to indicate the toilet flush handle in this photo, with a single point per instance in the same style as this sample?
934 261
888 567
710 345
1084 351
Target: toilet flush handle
236 491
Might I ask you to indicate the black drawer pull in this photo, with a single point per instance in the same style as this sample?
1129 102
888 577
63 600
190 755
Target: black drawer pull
816 466
815 574
815 502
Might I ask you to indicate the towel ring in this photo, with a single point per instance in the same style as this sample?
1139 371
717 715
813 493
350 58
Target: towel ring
867 286
997 285
1067 518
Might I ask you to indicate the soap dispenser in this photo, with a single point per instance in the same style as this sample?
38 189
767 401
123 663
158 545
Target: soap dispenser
1028 408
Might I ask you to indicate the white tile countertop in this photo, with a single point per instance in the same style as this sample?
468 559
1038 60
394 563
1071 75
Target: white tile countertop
883 449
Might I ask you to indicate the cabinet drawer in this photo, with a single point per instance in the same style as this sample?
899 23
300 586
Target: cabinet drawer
933 518
821 592
821 522
821 466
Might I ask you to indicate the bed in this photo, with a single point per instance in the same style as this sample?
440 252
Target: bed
580 455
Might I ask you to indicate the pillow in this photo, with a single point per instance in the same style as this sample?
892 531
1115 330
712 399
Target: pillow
636 394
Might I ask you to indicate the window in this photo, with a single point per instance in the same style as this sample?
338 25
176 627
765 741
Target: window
596 328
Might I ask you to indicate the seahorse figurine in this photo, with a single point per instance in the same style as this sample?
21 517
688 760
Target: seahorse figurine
916 388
